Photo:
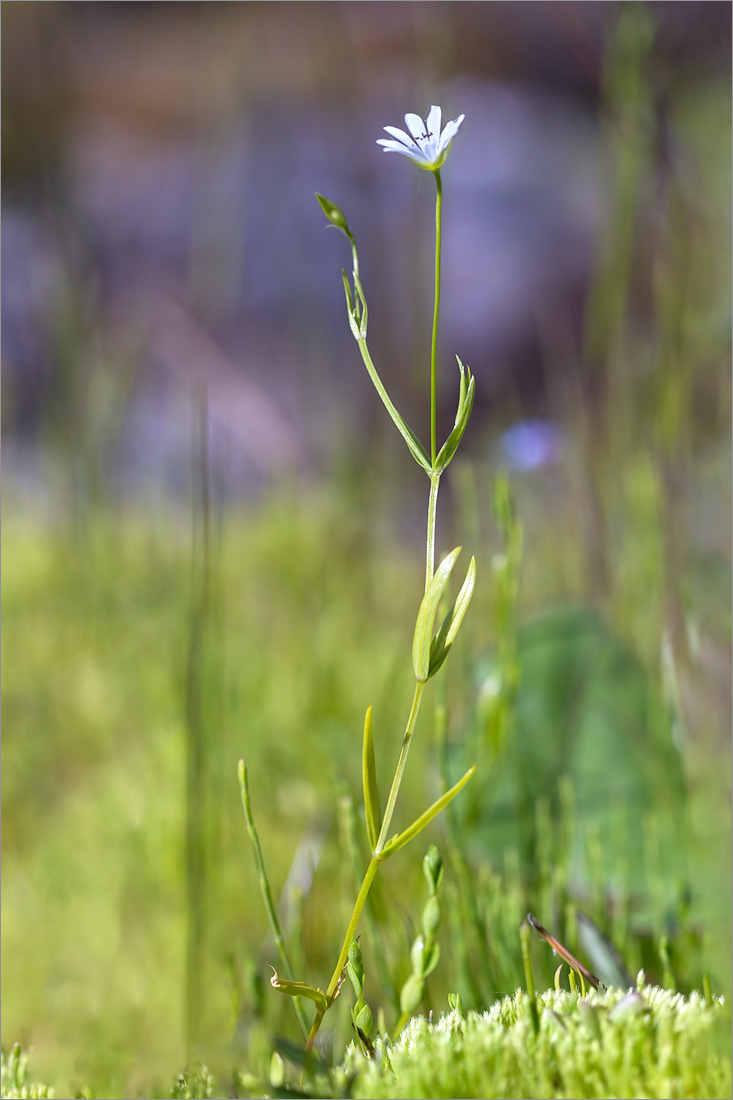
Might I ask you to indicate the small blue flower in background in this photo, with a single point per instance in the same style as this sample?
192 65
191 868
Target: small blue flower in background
424 144
529 445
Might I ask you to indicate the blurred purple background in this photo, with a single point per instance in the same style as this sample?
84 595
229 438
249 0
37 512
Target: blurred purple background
161 232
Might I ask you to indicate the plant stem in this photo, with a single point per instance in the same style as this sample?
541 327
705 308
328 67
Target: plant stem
432 510
396 782
373 863
436 311
333 984
429 571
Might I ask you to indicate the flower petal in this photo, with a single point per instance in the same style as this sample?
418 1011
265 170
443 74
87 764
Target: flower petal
401 136
395 147
451 129
415 125
433 121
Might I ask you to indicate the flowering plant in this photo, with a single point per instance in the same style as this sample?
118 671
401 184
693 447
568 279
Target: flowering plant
424 144
427 147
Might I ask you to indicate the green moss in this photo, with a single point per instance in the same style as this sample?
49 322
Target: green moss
16 1084
654 1043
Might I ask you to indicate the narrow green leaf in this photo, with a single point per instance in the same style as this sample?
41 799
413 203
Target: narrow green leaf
361 298
399 841
416 448
299 989
347 291
369 778
462 386
426 616
445 637
450 446
355 968
431 958
358 312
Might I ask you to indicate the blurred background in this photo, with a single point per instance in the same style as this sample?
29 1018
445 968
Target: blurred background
212 534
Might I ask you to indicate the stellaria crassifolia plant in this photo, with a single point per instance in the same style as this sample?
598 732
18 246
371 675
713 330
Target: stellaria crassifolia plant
427 145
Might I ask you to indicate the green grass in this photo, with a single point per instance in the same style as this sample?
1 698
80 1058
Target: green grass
94 792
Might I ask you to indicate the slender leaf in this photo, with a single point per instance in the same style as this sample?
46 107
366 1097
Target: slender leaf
369 778
462 385
450 446
445 637
399 841
299 989
358 325
431 960
426 616
416 448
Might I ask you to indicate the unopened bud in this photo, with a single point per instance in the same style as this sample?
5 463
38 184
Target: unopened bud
334 214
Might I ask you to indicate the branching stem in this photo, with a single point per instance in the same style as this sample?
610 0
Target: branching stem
371 870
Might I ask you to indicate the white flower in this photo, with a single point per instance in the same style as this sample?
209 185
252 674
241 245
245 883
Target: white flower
424 144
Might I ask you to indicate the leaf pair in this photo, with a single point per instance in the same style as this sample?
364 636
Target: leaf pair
465 404
428 652
357 310
373 807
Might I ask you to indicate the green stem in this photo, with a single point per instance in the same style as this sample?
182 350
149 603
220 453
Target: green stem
436 311
416 449
397 781
373 864
267 894
432 510
350 931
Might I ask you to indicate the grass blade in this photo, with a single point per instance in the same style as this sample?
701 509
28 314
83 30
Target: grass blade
266 892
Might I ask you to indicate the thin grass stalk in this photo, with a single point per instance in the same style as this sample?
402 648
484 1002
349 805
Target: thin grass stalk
196 747
473 926
266 893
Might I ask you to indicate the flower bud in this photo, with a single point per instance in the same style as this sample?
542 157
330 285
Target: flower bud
432 866
334 214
